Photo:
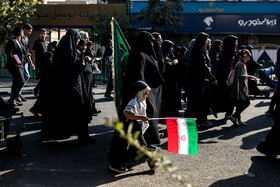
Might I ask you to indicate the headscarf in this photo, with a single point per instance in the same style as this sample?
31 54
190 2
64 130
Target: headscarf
66 49
191 43
166 49
159 53
143 43
81 43
199 44
137 105
215 45
228 48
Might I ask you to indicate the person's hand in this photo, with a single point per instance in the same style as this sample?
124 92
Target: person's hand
166 60
215 83
32 66
175 61
28 54
88 58
18 65
144 118
78 52
253 77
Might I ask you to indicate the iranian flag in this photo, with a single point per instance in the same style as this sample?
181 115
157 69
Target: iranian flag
182 136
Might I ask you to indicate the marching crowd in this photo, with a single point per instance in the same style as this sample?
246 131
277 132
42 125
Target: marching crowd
159 75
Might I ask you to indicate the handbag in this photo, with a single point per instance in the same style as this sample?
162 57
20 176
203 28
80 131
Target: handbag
230 78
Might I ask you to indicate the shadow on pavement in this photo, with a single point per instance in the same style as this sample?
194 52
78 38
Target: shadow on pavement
257 174
60 163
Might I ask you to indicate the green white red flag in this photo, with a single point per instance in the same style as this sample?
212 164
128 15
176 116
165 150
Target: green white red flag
182 136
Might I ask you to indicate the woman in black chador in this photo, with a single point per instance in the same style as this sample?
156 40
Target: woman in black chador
223 91
198 75
171 100
214 55
86 78
142 65
158 52
63 109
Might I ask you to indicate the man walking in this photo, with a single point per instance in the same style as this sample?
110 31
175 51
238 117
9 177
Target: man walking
38 51
27 30
15 55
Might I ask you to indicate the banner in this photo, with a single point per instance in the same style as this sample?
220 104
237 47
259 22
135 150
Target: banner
121 50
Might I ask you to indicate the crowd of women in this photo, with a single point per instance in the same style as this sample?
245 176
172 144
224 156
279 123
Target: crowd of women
156 73
201 71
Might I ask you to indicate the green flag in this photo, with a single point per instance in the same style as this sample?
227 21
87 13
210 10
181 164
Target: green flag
121 50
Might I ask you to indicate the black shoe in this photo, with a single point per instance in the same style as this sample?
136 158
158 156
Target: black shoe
214 112
120 169
266 94
22 98
11 102
18 99
97 111
19 103
108 96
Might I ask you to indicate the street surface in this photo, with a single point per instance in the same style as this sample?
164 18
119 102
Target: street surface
226 155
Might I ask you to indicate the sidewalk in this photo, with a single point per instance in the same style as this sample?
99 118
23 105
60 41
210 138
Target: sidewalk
225 154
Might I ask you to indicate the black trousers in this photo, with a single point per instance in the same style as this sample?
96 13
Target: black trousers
109 87
241 105
18 81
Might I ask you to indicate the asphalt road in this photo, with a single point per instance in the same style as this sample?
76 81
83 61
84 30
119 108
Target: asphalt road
226 155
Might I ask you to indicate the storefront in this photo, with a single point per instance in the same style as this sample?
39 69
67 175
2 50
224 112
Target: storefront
255 23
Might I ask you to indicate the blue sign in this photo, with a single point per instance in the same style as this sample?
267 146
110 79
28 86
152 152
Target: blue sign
214 7
237 24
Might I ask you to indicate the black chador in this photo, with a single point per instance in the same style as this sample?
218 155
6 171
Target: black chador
197 73
171 101
63 110
142 65
224 67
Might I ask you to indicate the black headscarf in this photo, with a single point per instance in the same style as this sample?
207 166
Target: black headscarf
215 45
66 49
89 52
197 67
226 59
143 43
166 49
182 53
159 54
228 49
81 43
199 43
